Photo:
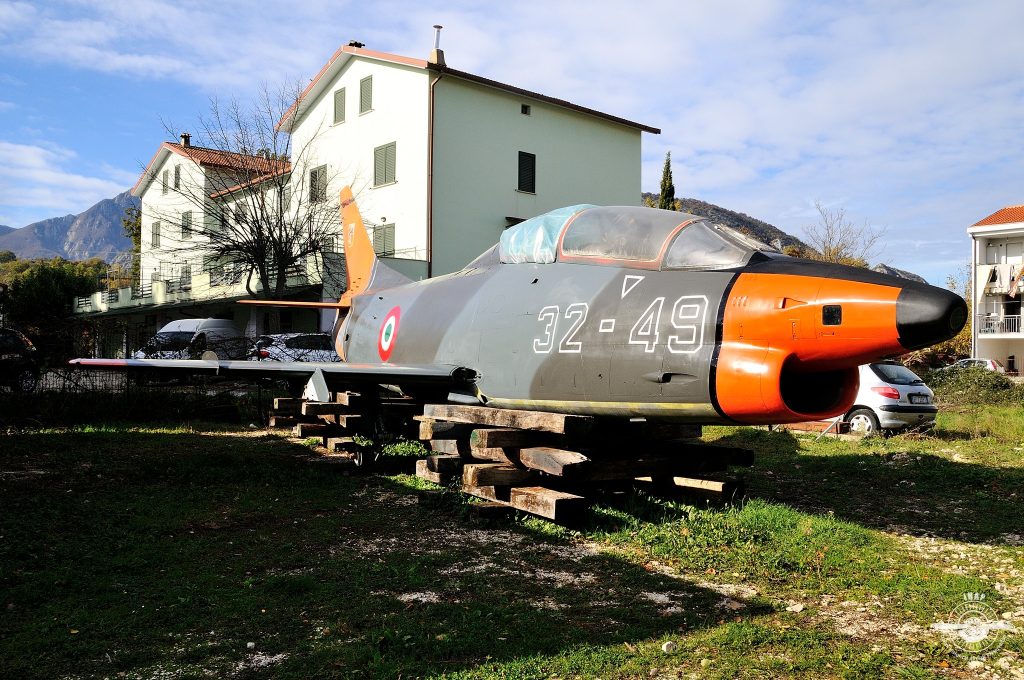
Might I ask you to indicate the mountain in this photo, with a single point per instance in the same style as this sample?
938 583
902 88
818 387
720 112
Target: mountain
765 232
902 273
4 229
97 232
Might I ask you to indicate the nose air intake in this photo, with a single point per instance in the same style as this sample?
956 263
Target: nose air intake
927 315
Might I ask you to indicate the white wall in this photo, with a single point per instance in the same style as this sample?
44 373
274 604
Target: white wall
478 133
399 115
167 209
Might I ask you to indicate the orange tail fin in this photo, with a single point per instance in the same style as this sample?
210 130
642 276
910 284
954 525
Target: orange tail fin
359 254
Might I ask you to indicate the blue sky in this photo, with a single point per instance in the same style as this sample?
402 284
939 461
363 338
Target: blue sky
909 114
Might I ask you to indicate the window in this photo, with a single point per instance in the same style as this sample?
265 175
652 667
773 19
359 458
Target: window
186 224
384 164
339 106
524 109
177 176
286 200
527 172
154 241
225 216
365 94
163 182
832 315
384 240
318 184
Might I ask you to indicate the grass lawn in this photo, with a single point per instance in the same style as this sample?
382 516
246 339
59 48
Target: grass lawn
142 552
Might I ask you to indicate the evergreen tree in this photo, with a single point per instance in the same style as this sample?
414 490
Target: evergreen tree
667 199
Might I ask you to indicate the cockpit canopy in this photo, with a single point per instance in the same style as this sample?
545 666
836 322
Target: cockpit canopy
627 236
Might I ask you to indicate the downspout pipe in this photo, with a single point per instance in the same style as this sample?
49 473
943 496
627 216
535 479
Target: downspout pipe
430 172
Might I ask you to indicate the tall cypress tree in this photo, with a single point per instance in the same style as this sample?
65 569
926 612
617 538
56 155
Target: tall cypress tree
667 199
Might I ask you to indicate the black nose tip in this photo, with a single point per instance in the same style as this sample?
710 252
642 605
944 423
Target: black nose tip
926 315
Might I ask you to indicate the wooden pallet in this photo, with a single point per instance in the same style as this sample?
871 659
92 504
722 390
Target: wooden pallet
545 463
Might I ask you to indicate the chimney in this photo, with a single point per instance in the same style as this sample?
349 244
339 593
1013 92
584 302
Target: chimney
186 139
437 54
356 43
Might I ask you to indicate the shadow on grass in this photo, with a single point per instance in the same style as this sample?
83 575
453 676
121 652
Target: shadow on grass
151 554
913 492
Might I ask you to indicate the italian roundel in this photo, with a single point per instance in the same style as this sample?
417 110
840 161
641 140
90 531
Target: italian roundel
388 333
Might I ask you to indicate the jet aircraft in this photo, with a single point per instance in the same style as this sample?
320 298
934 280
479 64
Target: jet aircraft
623 312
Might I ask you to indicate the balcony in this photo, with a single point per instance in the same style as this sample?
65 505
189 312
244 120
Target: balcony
997 325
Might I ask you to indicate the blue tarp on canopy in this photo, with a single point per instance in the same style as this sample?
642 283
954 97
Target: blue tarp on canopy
536 239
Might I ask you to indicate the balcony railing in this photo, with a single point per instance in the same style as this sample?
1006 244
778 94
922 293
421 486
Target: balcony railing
998 324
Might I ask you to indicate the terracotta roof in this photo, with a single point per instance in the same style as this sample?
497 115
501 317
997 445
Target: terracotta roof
1008 215
422 64
252 182
214 158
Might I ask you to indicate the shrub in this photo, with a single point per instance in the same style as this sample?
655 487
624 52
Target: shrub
973 385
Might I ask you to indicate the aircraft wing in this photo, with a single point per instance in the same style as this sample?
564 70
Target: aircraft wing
439 375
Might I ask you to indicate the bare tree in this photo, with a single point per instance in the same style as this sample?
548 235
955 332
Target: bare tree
837 239
260 206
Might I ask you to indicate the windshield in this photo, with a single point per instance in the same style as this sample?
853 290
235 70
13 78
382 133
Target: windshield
621 233
896 374
171 342
705 246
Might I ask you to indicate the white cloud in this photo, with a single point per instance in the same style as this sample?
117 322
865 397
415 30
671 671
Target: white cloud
35 183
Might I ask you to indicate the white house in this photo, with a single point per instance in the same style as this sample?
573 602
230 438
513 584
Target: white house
441 161
997 263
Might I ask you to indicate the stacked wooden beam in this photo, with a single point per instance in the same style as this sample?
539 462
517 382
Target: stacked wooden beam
334 422
545 463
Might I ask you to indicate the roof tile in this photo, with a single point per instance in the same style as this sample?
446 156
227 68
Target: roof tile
1007 215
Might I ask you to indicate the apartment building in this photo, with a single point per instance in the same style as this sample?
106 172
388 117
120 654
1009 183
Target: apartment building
997 263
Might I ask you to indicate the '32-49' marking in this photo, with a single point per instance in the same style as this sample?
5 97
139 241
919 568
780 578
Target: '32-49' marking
689 313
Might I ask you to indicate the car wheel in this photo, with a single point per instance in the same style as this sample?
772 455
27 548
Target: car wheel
26 381
863 421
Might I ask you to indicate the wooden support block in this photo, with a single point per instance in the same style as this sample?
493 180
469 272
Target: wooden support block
725 488
493 474
304 430
436 429
324 408
500 494
288 403
338 443
283 421
424 472
554 461
561 423
554 505
499 437
452 447
446 464
345 398
495 455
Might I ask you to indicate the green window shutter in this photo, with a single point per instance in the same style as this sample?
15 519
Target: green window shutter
339 106
384 240
384 164
177 176
163 182
317 184
186 224
365 94
156 235
527 172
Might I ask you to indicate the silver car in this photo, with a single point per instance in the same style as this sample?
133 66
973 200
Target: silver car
295 347
891 397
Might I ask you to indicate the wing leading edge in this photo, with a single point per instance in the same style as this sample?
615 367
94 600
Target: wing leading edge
435 375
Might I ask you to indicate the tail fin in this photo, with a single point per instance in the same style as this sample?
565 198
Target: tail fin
359 254
361 264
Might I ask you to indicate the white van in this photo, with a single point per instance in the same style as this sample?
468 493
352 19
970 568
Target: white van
194 338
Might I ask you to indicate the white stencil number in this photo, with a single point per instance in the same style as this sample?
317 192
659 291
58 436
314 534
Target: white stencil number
688 317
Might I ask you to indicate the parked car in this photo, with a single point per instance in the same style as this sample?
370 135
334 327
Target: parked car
987 364
192 338
891 397
295 347
19 368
